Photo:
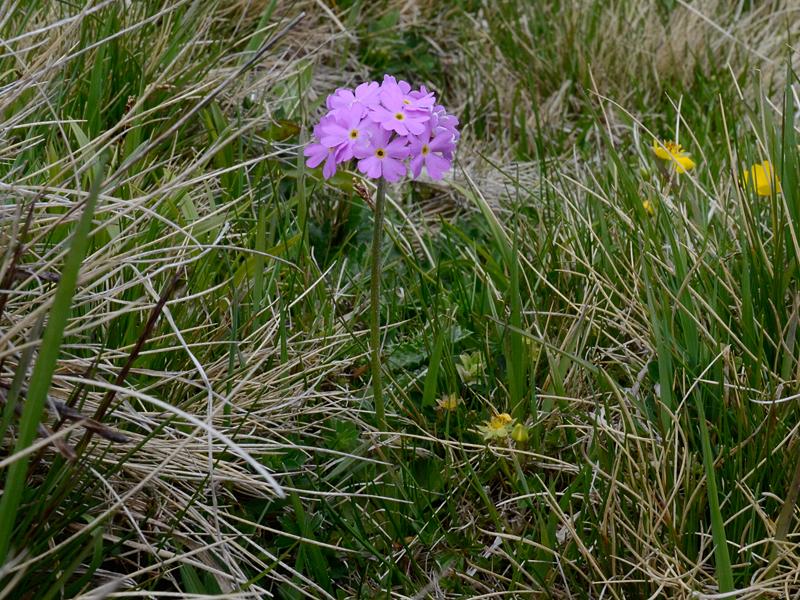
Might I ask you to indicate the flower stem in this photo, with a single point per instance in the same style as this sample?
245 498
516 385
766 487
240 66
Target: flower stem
374 307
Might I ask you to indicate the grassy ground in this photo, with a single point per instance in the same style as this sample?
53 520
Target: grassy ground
173 272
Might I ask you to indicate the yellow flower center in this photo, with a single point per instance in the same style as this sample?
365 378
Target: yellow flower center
500 421
406 101
353 134
399 116
425 150
380 152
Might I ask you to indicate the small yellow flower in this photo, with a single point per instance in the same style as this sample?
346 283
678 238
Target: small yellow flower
764 178
649 208
496 428
520 433
675 154
501 420
449 402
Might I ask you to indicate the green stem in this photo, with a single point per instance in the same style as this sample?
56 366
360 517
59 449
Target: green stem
374 307
723 559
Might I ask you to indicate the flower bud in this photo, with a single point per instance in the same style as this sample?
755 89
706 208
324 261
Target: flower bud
520 433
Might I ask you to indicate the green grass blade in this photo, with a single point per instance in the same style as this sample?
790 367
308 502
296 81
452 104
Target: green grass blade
721 554
45 365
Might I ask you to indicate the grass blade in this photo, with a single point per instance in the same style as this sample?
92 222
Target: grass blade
46 364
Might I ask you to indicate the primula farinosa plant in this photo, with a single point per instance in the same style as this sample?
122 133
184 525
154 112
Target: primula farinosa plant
389 129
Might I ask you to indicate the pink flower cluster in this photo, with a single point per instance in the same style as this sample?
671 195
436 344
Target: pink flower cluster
388 128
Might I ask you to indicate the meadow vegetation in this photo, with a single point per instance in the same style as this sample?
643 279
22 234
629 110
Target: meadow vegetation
185 394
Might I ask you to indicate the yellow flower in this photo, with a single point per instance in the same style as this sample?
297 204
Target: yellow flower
648 207
497 427
449 402
764 178
668 150
501 420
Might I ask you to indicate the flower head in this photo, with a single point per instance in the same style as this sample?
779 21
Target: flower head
449 402
388 127
496 428
649 207
675 154
764 179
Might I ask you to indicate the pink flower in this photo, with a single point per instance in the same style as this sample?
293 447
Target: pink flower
391 81
388 127
365 97
445 121
421 99
383 157
435 154
397 111
316 153
324 122
344 131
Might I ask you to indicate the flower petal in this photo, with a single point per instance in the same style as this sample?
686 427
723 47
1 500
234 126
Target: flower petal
443 142
371 167
437 166
398 148
393 170
330 166
661 151
416 165
683 163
